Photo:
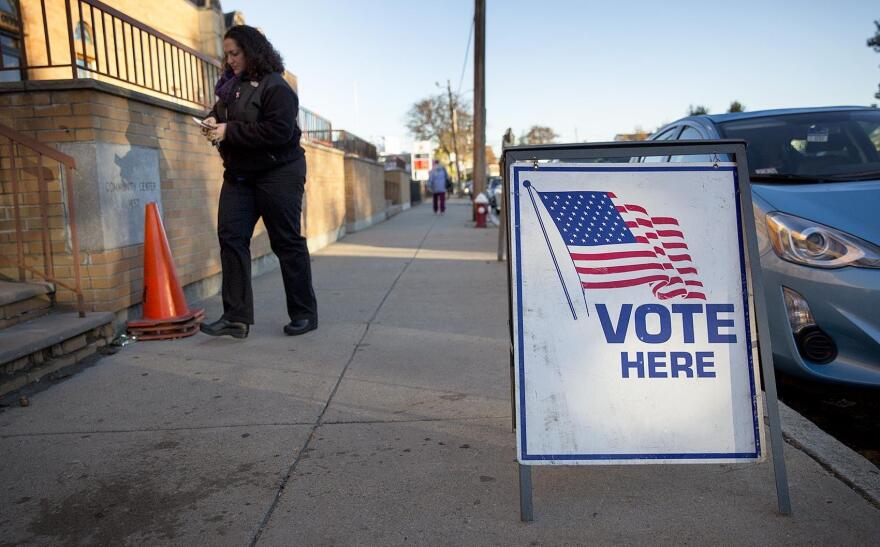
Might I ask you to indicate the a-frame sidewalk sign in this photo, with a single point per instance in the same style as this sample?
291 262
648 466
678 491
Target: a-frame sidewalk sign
636 308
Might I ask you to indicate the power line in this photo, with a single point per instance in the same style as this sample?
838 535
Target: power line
467 50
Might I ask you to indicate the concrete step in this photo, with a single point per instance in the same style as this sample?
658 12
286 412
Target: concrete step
20 302
32 350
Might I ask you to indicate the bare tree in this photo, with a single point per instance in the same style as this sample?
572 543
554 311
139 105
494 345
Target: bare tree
874 42
697 110
539 134
736 106
430 119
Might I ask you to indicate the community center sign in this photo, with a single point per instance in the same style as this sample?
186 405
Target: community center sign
632 332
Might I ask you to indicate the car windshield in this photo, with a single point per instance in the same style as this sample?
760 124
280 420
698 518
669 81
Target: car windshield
811 147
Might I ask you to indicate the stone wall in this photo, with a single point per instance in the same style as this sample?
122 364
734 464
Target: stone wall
397 188
324 203
364 193
131 149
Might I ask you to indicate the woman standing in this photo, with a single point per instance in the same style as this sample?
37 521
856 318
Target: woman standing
254 125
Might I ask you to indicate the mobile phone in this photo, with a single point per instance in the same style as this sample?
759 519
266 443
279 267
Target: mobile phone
203 124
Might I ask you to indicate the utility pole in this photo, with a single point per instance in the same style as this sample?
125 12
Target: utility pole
454 117
479 96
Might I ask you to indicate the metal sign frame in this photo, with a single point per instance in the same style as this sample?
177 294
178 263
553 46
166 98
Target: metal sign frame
736 150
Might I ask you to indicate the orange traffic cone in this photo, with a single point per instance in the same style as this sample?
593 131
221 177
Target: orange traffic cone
166 314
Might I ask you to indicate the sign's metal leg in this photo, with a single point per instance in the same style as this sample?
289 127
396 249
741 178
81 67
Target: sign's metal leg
502 229
525 493
512 395
776 443
757 282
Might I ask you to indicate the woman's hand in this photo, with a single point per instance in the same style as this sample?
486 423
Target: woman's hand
210 120
218 133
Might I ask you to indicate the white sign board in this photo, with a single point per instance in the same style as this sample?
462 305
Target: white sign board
631 315
421 161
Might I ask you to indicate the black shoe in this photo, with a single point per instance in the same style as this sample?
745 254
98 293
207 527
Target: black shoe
222 327
300 326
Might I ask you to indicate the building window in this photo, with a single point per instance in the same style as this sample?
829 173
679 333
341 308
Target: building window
8 11
10 42
10 57
82 35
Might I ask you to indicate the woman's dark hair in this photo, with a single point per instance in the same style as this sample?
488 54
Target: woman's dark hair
261 57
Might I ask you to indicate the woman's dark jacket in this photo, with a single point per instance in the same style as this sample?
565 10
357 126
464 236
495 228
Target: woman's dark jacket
261 126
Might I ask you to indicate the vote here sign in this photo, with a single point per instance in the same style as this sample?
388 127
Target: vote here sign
632 326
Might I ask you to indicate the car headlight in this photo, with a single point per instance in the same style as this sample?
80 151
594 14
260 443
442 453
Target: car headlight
809 243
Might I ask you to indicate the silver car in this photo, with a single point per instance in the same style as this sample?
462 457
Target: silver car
815 176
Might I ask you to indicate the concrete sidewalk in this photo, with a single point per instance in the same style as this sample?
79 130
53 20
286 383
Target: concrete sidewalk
388 425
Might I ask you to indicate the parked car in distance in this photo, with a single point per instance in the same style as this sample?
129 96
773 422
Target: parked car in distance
815 176
493 192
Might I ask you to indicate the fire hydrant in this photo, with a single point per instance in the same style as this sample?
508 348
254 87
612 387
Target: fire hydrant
481 209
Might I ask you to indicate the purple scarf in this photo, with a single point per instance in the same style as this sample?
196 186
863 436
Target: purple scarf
225 86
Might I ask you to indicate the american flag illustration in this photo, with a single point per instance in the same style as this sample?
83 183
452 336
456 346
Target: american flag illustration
614 244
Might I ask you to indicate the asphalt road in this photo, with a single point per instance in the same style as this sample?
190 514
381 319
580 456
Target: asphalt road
851 415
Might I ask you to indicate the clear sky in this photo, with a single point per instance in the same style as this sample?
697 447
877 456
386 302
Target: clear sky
587 69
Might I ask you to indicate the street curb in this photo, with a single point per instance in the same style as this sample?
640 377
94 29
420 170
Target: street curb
841 461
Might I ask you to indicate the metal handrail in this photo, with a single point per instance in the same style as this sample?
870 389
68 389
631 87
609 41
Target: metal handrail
137 24
343 140
122 49
125 50
314 127
16 142
37 146
354 145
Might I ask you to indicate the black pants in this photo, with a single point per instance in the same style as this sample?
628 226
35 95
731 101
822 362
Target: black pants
441 197
277 197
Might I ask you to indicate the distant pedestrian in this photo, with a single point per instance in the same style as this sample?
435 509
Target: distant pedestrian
254 126
438 180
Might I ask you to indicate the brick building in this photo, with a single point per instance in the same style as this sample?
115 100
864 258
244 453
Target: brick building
96 100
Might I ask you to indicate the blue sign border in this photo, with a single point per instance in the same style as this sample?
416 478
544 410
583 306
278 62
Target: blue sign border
521 422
